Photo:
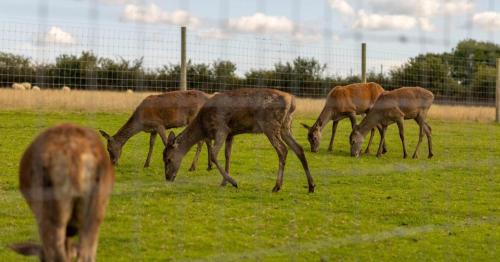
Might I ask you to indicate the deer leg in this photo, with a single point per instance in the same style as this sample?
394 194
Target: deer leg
297 149
420 136
384 148
227 154
209 166
279 145
400 124
53 237
213 151
334 130
161 131
196 156
382 131
428 133
93 211
352 117
152 139
52 225
367 150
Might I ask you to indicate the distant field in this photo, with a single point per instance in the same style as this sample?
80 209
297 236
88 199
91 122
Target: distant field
122 102
447 208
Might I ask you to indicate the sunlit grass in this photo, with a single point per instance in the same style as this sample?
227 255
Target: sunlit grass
390 208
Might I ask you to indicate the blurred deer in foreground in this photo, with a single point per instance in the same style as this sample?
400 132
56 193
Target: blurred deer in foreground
394 107
344 102
66 178
154 115
231 113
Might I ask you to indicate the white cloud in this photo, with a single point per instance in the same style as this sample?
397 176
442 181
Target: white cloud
120 2
154 14
489 21
406 7
306 38
214 33
56 35
384 22
261 23
457 7
342 6
426 25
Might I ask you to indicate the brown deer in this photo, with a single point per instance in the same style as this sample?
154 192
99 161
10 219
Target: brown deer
394 107
256 110
344 102
66 178
154 115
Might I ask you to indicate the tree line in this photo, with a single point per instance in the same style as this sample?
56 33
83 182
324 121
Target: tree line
467 73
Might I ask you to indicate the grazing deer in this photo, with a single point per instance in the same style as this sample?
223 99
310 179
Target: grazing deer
66 178
344 102
154 115
393 107
258 110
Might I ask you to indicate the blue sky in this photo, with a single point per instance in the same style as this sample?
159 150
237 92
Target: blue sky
252 33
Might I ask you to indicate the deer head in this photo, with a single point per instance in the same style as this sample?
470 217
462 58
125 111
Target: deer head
171 158
314 137
114 148
356 140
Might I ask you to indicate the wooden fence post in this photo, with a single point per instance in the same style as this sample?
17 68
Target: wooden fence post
498 92
183 83
363 63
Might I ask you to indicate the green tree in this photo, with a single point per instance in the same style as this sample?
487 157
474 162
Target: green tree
483 83
430 71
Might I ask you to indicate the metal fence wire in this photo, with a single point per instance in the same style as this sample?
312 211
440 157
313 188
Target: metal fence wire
92 57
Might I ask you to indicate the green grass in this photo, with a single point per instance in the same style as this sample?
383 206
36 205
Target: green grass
390 208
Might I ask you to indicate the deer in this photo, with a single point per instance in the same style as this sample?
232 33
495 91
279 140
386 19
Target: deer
66 178
394 107
154 115
344 102
240 111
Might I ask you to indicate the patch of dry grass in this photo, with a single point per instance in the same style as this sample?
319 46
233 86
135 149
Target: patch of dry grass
58 100
312 107
106 101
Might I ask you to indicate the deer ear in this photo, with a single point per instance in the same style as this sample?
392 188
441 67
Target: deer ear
27 249
306 126
104 134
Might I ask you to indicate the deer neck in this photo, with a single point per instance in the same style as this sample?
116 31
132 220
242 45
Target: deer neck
189 137
368 123
323 119
126 132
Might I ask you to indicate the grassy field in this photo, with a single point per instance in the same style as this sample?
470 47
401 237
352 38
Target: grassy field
447 208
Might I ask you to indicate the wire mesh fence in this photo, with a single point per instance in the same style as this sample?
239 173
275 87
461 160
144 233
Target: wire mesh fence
93 57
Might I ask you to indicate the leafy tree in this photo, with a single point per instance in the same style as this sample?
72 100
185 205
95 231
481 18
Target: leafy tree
430 71
483 83
15 68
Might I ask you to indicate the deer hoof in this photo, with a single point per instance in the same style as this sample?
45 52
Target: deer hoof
311 188
430 155
209 168
192 168
276 188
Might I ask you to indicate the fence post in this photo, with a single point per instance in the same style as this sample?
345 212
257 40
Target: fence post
497 95
183 84
363 63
